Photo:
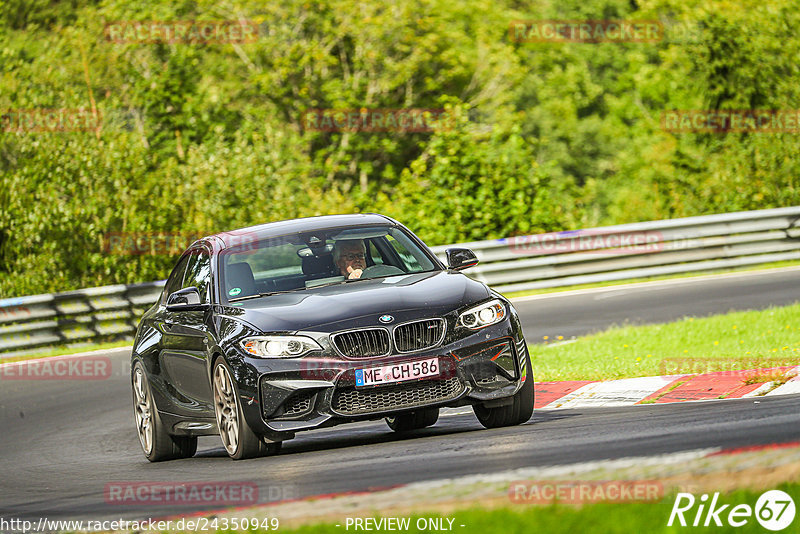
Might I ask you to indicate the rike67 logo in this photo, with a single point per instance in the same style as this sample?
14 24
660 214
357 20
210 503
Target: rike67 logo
774 510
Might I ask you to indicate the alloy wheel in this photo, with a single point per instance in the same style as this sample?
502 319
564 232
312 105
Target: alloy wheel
143 411
227 409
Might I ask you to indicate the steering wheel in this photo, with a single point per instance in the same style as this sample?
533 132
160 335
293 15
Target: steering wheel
377 271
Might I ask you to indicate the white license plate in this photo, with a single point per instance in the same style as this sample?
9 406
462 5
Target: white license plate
397 372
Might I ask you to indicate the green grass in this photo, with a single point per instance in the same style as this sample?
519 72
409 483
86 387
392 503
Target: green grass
61 351
749 268
739 340
603 517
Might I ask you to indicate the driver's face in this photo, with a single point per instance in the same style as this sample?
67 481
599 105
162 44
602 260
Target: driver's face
351 257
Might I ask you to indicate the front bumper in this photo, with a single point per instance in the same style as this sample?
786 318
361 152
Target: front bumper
287 396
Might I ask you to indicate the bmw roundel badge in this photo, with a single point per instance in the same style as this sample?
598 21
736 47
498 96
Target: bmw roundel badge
386 319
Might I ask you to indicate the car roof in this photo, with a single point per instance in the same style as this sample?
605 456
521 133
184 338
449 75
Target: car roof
223 240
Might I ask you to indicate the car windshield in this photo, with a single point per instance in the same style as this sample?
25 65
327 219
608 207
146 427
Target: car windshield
311 259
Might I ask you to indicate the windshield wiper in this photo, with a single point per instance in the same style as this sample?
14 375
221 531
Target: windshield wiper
259 295
336 283
246 297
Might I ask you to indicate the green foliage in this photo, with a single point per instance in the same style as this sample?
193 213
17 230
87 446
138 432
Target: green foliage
200 138
471 184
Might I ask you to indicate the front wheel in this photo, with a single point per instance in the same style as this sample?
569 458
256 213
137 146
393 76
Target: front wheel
157 444
415 420
239 440
516 413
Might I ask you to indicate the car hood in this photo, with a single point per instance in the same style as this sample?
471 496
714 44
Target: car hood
356 304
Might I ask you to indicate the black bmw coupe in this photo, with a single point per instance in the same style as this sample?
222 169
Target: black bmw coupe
295 325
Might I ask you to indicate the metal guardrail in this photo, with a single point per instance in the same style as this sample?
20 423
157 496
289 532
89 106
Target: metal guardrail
654 248
626 251
63 318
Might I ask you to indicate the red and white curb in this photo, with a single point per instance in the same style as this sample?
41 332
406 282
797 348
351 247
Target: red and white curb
612 393
789 388
666 389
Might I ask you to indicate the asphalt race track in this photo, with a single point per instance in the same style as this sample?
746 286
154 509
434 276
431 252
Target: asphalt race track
63 441
580 313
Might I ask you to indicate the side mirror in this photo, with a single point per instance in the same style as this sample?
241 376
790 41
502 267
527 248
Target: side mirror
187 299
459 259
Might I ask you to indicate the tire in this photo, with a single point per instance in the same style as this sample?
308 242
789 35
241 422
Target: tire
516 413
239 440
408 421
157 443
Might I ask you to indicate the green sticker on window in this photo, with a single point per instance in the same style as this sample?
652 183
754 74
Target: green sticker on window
235 291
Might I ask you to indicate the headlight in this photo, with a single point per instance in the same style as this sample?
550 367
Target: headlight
279 346
484 315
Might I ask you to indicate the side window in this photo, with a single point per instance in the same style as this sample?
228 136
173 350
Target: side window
412 264
373 252
176 278
198 273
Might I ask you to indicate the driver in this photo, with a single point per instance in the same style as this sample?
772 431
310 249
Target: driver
350 257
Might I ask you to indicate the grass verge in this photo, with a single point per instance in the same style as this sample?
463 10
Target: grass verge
61 351
739 340
606 517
